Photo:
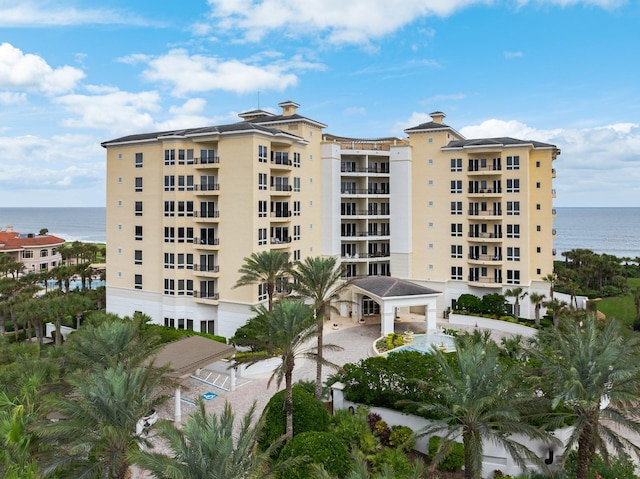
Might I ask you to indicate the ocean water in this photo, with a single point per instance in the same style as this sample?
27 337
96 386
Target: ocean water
72 224
613 231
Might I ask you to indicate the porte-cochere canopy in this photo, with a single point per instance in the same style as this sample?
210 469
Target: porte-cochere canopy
391 293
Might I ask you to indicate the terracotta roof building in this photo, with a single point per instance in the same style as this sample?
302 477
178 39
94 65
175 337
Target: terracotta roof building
37 252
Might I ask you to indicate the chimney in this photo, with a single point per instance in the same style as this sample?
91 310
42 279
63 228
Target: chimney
437 117
288 107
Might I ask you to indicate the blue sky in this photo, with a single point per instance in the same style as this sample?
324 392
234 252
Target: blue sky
74 73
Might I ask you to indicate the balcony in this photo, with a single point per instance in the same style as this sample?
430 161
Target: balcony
364 213
207 216
204 243
367 169
484 282
281 163
485 237
281 241
485 213
553 172
486 170
485 191
365 191
365 256
211 189
284 188
206 297
484 258
280 214
210 162
206 270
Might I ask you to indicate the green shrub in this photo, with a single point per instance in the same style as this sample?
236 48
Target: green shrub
322 448
401 437
168 334
351 428
309 414
396 459
621 467
452 461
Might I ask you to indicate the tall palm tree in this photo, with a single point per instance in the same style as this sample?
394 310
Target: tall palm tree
595 373
481 400
537 299
100 426
556 307
517 294
287 329
207 443
551 279
318 280
266 267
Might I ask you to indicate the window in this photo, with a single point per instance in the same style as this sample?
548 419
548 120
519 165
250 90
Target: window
296 233
296 184
169 183
262 209
513 254
169 157
513 208
513 231
138 160
262 292
513 276
538 249
190 159
169 208
169 260
181 157
44 253
119 179
138 233
169 234
456 186
296 255
138 208
138 184
537 206
513 162
296 160
456 272
138 256
456 251
262 153
538 228
537 164
262 236
538 271
456 229
27 254
456 164
456 207
513 186
169 286
296 208
208 156
538 184
262 181
137 281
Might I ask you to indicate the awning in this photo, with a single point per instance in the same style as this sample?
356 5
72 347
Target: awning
186 355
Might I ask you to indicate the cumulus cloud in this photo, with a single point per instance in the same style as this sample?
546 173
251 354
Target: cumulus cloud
10 98
199 73
36 14
510 55
114 111
25 71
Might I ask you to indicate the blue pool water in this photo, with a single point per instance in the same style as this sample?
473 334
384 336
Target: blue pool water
424 343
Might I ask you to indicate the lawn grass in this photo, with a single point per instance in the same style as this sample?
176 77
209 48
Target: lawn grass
621 307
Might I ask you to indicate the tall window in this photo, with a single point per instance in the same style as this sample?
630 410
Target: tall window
169 234
138 184
513 186
456 229
138 208
296 208
262 292
262 153
296 233
262 181
137 281
138 160
296 160
513 276
208 156
513 208
262 209
169 286
138 256
138 233
513 254
456 251
169 208
513 231
169 157
456 272
181 157
456 207
456 186
296 183
262 236
513 162
456 164
169 183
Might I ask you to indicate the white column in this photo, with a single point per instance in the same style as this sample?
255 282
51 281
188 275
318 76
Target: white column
386 319
233 378
430 316
177 417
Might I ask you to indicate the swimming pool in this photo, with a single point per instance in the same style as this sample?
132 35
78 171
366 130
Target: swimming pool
424 343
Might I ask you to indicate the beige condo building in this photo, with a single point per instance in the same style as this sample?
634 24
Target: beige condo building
185 207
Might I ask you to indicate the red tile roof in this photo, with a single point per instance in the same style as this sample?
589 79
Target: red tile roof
12 241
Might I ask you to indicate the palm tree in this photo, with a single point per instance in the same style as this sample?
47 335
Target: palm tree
537 299
556 307
100 426
287 329
207 443
318 280
266 267
481 400
636 301
518 295
551 279
595 373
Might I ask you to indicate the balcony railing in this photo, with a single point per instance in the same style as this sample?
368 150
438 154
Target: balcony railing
281 161
484 168
365 191
212 160
280 214
208 214
365 213
473 234
281 240
379 254
485 190
206 268
206 295
366 233
483 279
208 187
366 169
485 213
207 241
281 188
485 257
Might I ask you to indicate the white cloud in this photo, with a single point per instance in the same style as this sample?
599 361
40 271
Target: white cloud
510 55
31 72
115 111
27 13
10 98
606 4
355 110
415 119
198 73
